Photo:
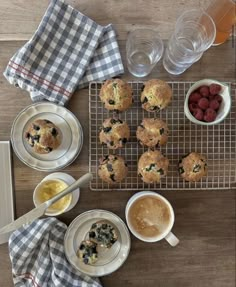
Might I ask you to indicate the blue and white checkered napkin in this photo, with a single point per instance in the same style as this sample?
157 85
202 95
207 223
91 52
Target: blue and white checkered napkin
67 51
38 258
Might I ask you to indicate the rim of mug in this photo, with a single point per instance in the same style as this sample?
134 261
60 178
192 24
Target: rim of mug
142 194
202 12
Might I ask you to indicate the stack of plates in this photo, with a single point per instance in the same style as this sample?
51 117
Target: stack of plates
72 139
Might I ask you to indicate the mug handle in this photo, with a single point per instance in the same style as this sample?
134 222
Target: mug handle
172 239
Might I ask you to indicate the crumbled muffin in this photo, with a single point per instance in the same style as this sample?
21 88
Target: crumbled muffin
103 233
192 167
114 133
116 95
87 252
152 132
156 95
112 169
152 166
43 136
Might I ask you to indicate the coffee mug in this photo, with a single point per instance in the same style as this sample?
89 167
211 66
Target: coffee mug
150 217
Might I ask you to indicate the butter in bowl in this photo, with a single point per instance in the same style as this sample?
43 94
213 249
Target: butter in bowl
50 186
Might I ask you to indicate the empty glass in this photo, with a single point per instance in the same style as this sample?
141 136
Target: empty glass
144 48
194 33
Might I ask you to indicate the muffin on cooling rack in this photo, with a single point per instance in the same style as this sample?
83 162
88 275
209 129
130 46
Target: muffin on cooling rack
87 252
103 233
192 167
152 132
156 95
114 133
116 95
152 166
43 136
112 169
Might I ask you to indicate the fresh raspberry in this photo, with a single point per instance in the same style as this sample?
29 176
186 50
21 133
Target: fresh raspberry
192 107
209 115
215 89
204 91
194 97
203 103
214 104
218 98
198 114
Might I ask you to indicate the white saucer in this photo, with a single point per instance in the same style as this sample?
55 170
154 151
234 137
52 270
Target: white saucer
67 179
109 260
72 137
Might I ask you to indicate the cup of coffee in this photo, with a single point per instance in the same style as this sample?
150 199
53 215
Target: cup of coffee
150 217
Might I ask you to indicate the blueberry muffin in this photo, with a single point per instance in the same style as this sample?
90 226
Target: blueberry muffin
156 95
103 233
116 95
87 252
43 136
112 168
152 132
114 133
152 166
192 167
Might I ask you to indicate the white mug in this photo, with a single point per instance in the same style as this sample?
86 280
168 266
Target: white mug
167 234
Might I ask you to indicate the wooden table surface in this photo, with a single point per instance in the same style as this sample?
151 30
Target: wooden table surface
205 220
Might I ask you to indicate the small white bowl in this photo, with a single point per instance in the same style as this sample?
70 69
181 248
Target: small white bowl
61 176
224 106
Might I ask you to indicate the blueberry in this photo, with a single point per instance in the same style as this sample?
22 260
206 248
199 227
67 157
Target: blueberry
109 167
112 177
161 171
150 167
114 85
162 130
54 132
181 170
37 128
48 122
106 129
196 168
36 138
124 140
86 261
111 102
94 225
142 88
81 247
104 226
48 149
154 108
145 100
111 143
92 234
27 135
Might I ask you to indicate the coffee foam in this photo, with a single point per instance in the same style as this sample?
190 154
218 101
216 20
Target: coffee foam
149 216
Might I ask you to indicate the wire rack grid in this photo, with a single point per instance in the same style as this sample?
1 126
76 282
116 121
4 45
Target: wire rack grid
217 142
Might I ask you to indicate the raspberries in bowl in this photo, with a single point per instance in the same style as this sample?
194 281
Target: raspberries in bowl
207 102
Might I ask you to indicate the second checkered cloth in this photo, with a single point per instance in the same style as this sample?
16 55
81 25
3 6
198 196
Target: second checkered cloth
38 258
67 51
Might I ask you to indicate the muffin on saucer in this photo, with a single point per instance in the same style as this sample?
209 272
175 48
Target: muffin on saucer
116 95
152 166
114 133
43 136
192 167
156 95
152 132
112 169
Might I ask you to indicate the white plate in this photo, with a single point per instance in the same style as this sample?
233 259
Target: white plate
72 136
109 260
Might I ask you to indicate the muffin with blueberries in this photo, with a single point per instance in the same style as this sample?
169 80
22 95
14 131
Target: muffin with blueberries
156 95
112 169
192 167
87 252
116 95
43 136
152 132
152 166
103 233
114 133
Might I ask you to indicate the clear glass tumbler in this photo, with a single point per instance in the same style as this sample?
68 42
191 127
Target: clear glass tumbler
194 33
144 48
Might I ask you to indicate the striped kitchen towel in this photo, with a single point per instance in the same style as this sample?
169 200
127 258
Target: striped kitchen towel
67 51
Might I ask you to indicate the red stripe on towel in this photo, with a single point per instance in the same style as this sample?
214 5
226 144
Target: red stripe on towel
28 276
54 87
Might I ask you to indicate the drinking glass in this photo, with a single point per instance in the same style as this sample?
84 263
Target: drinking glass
194 33
144 48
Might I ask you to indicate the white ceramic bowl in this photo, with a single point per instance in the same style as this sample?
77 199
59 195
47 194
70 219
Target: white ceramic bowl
224 106
61 176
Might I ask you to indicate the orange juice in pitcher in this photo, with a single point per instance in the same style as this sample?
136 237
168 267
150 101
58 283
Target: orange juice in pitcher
223 13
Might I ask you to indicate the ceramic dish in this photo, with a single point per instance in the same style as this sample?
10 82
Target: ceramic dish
224 106
69 126
67 179
110 259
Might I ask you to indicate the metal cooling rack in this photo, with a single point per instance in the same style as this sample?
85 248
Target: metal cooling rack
217 143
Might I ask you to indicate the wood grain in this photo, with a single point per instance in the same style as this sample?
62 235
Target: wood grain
205 220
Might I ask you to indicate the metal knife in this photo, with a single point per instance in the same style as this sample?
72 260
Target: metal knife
40 210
